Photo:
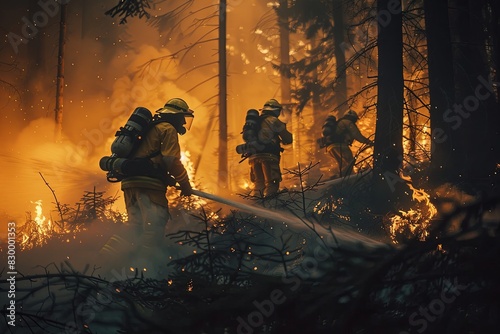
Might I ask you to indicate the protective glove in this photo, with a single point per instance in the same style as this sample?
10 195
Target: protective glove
186 189
169 180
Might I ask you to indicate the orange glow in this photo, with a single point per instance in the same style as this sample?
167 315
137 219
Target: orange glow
36 231
188 164
245 184
415 221
193 202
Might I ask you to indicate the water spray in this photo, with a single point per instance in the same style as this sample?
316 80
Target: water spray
344 237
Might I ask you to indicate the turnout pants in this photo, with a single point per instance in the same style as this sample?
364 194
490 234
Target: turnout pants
265 173
143 235
147 214
343 157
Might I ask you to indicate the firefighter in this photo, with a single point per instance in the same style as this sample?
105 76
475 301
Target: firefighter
265 170
145 196
339 138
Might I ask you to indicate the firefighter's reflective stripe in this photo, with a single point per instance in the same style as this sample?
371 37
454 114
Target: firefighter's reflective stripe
143 182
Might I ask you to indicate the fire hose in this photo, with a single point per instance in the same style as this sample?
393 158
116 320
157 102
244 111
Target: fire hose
341 236
261 212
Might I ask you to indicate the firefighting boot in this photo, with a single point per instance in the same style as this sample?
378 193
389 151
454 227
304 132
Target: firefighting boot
271 188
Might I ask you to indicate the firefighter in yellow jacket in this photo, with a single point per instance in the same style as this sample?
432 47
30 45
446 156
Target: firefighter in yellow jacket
145 196
265 170
145 199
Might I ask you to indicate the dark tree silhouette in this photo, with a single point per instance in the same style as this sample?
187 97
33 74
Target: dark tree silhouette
444 158
476 110
388 151
339 37
60 72
129 8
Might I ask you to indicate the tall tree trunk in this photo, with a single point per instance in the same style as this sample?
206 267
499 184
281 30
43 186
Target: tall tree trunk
60 75
85 17
284 52
223 171
474 113
339 36
494 32
388 150
317 109
38 69
444 150
288 158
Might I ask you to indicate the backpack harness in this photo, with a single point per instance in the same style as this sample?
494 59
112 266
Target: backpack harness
128 139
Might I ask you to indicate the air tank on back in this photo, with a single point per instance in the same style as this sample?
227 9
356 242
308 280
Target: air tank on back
127 140
129 136
251 124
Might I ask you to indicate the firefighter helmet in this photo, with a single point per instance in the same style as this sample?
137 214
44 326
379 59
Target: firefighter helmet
178 112
330 119
351 114
272 105
176 106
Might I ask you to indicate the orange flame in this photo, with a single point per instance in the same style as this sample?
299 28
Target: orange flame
193 202
36 231
415 221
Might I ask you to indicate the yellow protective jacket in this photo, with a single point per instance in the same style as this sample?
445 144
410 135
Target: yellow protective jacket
161 139
272 133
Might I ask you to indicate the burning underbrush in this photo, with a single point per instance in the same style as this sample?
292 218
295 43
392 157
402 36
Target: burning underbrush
416 221
93 207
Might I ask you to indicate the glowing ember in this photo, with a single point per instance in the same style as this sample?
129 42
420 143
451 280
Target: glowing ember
245 184
329 205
